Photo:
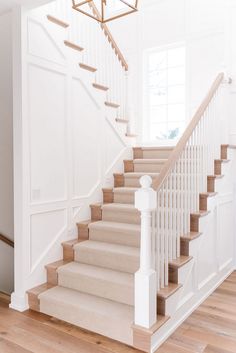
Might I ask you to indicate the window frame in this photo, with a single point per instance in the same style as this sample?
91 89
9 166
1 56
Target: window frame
146 105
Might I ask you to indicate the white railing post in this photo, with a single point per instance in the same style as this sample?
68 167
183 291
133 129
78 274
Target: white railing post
145 278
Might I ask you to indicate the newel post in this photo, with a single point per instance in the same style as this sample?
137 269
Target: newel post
145 278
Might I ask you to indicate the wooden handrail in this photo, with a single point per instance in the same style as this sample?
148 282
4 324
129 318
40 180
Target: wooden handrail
110 38
6 240
175 155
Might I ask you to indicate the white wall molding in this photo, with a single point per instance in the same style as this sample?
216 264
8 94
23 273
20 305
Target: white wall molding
62 152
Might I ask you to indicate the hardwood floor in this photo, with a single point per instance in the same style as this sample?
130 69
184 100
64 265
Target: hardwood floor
210 329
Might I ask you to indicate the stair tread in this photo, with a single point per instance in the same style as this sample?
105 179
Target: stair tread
122 121
169 290
125 190
70 242
93 303
112 104
101 87
223 160
98 273
161 320
39 289
100 315
190 236
180 261
150 161
87 67
133 228
157 148
216 176
73 45
108 247
200 214
57 264
208 194
58 21
140 174
120 206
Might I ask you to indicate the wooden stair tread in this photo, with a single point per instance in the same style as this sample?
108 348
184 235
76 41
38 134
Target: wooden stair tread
215 176
122 121
131 135
223 160
57 21
100 87
180 261
208 194
39 289
70 242
56 264
166 292
200 214
73 45
87 67
190 236
161 320
112 105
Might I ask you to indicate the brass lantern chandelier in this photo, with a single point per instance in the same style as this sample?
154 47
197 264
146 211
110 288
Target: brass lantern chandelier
105 10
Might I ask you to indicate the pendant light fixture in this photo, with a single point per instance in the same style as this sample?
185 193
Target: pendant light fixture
105 10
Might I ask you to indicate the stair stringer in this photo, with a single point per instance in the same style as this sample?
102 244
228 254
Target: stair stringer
58 35
202 275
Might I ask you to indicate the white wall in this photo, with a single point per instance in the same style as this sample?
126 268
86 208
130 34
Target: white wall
200 24
6 134
67 146
6 153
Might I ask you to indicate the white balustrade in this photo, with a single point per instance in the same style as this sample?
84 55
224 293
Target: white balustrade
177 192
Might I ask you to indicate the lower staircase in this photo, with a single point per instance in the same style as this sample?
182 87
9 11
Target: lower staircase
93 286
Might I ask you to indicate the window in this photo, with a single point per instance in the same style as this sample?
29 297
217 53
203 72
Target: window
165 93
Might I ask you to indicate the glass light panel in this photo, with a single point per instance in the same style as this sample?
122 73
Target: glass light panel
158 114
176 76
176 57
176 94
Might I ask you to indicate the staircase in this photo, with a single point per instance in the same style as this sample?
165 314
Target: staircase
135 271
93 286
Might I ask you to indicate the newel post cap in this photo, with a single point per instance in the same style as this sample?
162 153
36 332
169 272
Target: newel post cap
145 197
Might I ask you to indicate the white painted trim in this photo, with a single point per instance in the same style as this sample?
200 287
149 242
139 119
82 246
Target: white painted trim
203 296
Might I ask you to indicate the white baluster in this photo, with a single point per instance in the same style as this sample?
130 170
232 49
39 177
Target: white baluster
145 278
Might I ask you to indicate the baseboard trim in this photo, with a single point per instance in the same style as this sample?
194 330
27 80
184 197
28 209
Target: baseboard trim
162 336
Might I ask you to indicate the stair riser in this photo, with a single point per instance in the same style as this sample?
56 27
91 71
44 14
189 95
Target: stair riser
132 182
116 329
169 306
127 198
147 167
95 286
179 275
118 262
122 217
108 236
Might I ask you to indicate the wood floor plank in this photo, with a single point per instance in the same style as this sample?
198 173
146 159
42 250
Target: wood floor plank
9 347
214 349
